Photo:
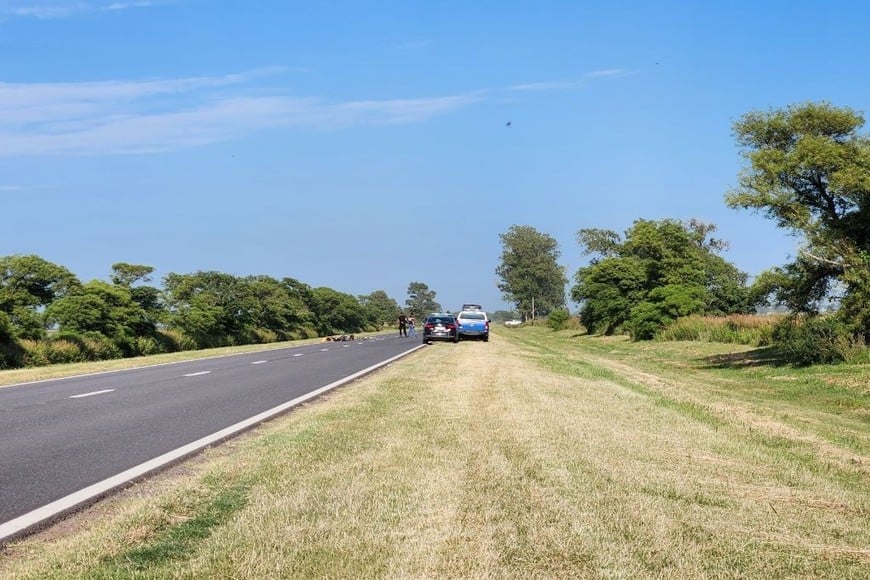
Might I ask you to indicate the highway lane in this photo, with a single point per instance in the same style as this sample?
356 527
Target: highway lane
59 436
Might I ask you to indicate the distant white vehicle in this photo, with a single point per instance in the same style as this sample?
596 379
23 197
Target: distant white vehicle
512 323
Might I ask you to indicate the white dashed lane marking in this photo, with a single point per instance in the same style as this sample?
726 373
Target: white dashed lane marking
259 362
297 355
197 374
91 394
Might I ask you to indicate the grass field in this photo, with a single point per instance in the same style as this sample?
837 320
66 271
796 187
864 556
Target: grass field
536 455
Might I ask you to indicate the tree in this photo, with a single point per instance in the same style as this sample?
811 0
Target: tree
809 171
148 297
124 274
212 308
380 308
531 277
28 284
608 290
421 301
337 312
105 309
273 307
659 271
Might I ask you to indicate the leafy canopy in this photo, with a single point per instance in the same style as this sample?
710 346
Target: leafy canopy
659 271
531 277
421 301
809 171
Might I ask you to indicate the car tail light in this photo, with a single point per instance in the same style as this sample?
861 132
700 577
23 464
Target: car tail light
487 325
429 325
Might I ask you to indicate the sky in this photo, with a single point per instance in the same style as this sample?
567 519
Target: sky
365 145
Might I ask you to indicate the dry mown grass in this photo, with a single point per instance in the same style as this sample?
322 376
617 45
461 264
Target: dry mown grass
542 462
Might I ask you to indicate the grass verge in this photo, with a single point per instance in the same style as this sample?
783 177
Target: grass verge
536 455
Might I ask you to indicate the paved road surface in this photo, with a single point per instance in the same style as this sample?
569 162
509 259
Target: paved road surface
58 437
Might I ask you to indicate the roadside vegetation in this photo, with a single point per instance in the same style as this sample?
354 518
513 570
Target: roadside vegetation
563 455
48 316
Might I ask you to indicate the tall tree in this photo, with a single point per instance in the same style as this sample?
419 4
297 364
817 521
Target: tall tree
421 300
531 277
809 171
28 284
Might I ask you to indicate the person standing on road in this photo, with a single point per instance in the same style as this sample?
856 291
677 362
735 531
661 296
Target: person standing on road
412 327
403 325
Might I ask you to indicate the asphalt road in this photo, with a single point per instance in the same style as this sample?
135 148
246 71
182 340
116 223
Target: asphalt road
61 436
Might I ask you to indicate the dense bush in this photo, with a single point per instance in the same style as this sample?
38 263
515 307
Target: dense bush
174 340
147 345
558 319
263 336
645 321
807 340
67 347
10 354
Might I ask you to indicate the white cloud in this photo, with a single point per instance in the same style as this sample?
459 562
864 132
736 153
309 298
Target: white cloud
55 9
126 5
157 115
572 84
123 117
10 188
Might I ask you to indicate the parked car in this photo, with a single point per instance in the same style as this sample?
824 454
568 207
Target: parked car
473 324
513 323
440 327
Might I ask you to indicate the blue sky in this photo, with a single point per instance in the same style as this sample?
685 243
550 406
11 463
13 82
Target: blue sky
364 146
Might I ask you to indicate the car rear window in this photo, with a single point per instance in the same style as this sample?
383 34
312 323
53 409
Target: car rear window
441 319
473 316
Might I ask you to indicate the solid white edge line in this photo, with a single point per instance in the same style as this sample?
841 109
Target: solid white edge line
47 513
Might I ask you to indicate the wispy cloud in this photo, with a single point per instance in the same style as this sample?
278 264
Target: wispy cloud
159 115
11 188
123 117
572 84
56 9
126 5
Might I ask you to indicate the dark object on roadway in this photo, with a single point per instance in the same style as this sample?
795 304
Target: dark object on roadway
440 327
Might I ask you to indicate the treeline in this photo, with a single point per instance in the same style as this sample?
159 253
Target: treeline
808 171
48 316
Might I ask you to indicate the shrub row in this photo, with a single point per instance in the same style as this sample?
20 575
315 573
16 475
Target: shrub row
807 340
67 347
